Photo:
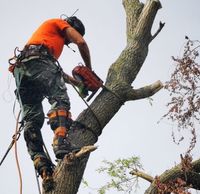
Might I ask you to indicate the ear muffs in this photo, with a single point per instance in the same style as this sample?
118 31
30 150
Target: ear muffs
77 24
70 21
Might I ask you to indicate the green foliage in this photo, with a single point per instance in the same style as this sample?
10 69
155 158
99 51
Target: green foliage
119 172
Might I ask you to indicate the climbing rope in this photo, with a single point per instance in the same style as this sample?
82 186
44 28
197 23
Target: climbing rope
37 180
15 138
97 119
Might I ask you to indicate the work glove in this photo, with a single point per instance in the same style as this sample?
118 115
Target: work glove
83 91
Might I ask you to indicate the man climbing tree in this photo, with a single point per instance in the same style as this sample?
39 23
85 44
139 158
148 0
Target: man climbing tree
118 90
38 75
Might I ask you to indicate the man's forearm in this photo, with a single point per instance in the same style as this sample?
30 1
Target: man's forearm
70 80
85 54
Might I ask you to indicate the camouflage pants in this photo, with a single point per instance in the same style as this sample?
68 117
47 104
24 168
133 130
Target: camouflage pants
35 80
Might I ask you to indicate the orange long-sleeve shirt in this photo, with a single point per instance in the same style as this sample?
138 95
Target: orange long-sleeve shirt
50 34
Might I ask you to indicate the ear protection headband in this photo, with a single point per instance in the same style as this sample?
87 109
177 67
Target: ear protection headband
76 23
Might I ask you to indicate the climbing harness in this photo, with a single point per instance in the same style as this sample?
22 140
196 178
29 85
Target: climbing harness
13 61
28 53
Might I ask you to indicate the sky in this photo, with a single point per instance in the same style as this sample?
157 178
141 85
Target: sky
134 130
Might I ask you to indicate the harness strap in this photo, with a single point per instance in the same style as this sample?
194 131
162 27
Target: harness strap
59 112
60 131
29 52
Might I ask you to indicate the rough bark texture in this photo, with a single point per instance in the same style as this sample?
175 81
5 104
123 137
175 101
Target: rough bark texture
117 91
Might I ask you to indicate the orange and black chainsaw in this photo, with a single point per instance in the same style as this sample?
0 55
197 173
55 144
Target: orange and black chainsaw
89 79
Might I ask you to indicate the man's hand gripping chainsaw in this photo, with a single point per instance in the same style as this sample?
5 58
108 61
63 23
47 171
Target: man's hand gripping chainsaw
86 80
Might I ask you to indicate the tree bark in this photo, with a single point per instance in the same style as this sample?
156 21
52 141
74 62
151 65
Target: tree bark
117 91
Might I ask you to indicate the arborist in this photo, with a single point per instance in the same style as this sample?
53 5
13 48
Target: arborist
38 76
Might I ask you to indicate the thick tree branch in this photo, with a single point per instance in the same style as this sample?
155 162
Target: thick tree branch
146 19
191 177
133 11
144 92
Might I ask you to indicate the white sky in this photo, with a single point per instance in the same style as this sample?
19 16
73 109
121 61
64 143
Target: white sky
134 129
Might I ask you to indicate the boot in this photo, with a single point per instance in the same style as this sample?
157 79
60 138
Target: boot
45 169
48 183
61 146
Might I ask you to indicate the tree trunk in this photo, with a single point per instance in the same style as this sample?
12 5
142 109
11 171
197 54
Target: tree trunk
117 91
